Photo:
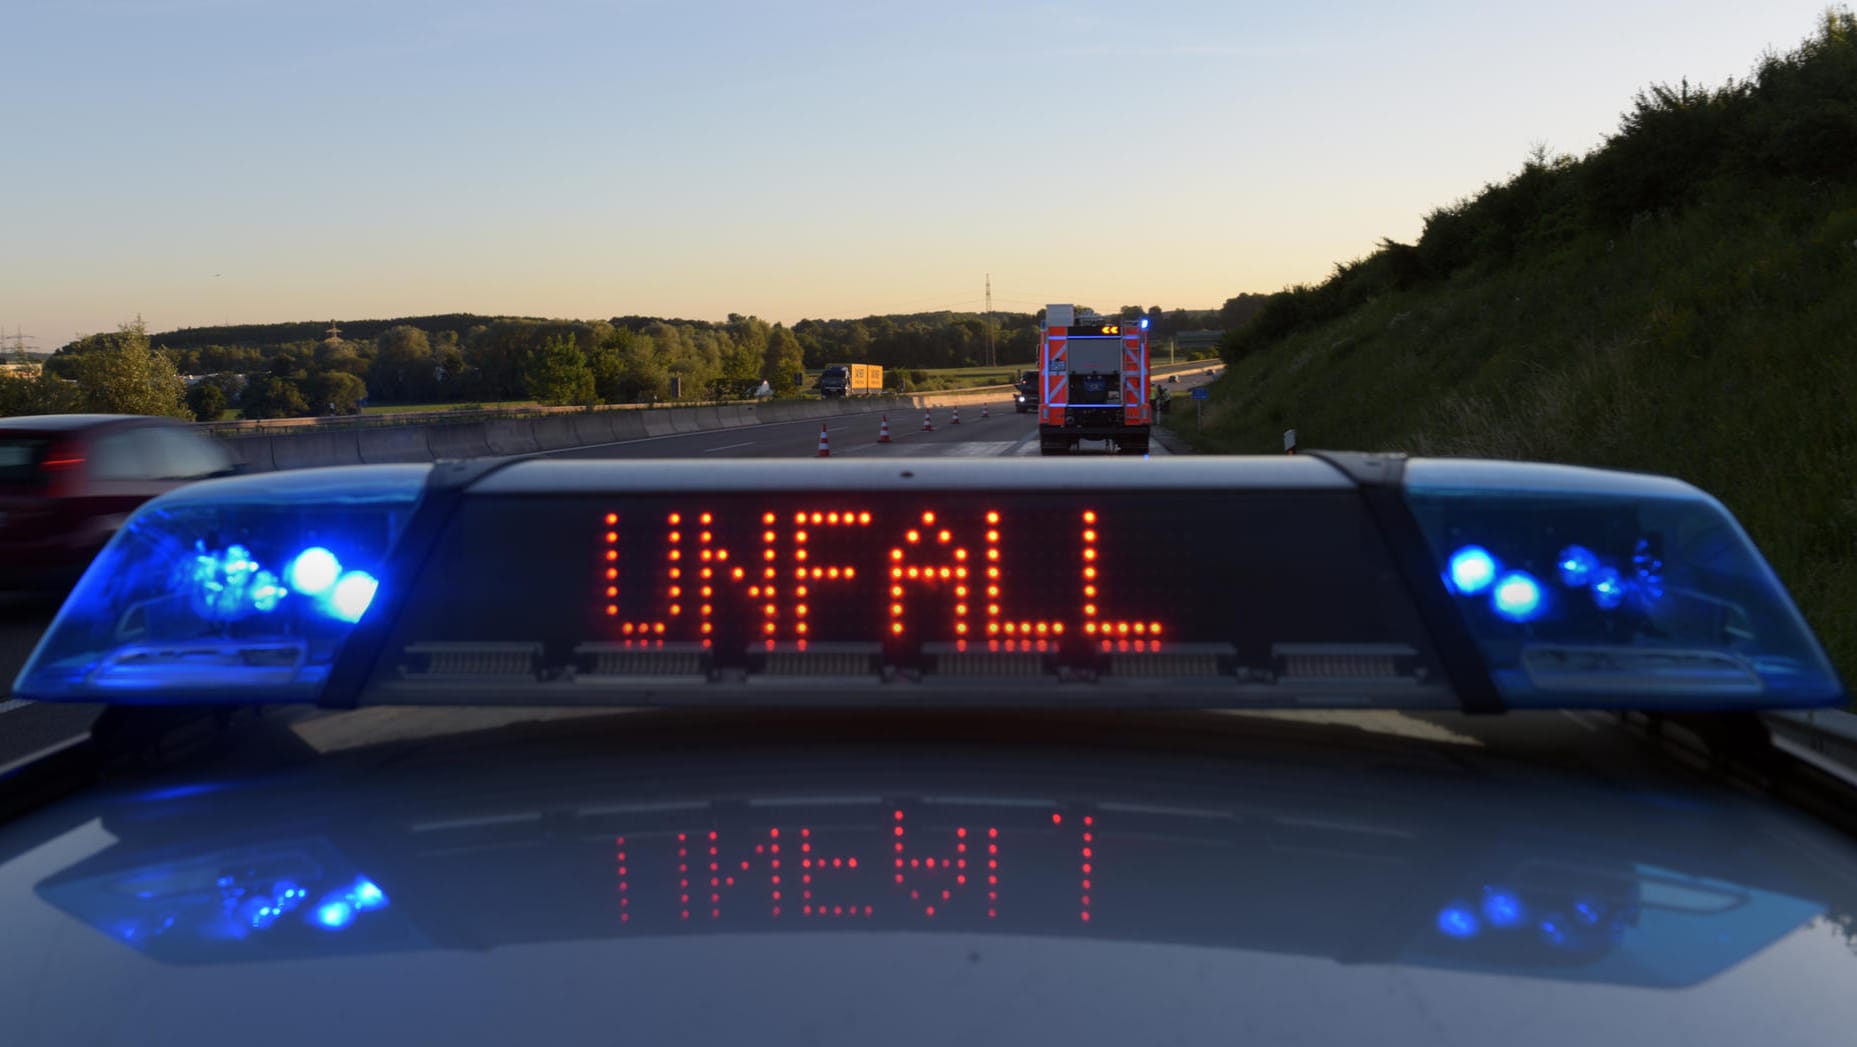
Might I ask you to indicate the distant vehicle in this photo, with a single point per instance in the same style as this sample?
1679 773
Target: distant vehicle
850 380
1025 400
68 481
1094 369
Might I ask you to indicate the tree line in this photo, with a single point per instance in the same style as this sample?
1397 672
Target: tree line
287 370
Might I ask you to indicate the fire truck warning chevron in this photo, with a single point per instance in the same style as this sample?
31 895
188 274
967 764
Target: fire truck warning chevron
1093 374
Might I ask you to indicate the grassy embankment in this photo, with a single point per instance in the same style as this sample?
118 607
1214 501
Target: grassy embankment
1707 330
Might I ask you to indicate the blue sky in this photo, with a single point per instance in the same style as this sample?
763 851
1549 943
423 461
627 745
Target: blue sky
198 161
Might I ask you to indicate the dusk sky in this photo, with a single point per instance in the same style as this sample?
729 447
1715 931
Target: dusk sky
202 161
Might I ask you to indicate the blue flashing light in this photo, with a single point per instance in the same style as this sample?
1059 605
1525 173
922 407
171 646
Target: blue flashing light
1647 571
1457 921
1577 564
151 617
1608 589
1517 597
350 597
334 915
1472 569
266 593
314 571
1554 930
230 585
1502 908
366 895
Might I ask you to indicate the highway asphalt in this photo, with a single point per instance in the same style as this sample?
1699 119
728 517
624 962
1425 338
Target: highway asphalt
984 430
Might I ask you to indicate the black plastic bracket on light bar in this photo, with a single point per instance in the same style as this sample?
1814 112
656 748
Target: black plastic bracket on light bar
1381 481
445 487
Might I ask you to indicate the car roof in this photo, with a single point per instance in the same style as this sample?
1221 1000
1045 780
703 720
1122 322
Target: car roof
73 422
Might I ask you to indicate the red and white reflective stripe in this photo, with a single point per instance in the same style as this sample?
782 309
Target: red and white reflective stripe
1135 408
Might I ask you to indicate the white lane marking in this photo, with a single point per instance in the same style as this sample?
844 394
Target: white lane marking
10 705
728 447
979 449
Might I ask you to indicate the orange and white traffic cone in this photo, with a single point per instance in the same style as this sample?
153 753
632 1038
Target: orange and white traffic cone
957 417
825 443
928 425
883 433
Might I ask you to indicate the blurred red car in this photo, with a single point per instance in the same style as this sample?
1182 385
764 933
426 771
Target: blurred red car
68 481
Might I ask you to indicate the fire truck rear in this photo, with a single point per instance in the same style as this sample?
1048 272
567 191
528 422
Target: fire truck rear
1094 376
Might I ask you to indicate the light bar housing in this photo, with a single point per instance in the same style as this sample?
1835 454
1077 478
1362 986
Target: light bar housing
1294 582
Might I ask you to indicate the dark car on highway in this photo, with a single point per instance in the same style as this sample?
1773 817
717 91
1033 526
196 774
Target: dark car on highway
68 481
1025 397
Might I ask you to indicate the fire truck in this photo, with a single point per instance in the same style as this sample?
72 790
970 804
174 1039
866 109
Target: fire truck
1093 372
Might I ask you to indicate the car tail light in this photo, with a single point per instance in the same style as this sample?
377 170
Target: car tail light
61 465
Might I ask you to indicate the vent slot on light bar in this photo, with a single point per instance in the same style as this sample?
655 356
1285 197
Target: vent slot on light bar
1346 663
819 659
472 660
627 663
1176 661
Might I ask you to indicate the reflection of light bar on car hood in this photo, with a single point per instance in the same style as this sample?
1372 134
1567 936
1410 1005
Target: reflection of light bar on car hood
1336 580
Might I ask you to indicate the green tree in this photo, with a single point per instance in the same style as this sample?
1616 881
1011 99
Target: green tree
41 394
558 373
333 392
403 365
606 361
268 396
206 400
122 374
783 361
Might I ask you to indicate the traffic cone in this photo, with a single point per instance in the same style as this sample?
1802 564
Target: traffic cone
957 417
825 443
928 426
883 434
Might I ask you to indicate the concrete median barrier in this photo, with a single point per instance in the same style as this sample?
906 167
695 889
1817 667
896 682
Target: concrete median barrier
251 452
516 436
458 441
628 425
590 429
392 444
552 433
308 450
307 447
